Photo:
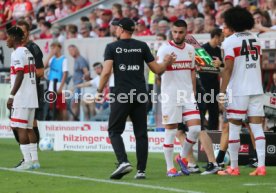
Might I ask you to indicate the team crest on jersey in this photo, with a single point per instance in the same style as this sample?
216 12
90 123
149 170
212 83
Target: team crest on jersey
165 118
190 54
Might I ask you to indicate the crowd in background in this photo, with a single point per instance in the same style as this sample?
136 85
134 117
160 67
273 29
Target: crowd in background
152 17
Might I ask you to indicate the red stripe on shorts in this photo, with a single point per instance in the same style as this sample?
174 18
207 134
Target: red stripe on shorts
234 141
191 113
236 111
19 120
168 145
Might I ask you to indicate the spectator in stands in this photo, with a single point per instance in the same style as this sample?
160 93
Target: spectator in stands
60 11
50 15
198 25
244 4
104 30
193 12
126 11
58 71
141 29
219 19
45 30
93 19
209 23
117 11
138 5
56 30
147 15
81 4
271 5
227 5
28 19
72 31
161 37
209 8
86 30
81 69
158 14
20 8
190 25
134 14
3 35
163 27
106 16
69 7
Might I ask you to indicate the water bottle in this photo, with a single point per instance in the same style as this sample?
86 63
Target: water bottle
151 119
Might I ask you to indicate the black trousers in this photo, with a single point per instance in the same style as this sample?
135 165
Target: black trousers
116 126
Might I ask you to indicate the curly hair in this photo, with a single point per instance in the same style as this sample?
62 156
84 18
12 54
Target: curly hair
238 19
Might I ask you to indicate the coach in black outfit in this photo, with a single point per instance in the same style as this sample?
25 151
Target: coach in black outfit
126 57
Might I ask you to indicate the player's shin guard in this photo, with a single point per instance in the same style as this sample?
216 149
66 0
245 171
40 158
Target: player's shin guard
258 133
190 140
234 144
168 147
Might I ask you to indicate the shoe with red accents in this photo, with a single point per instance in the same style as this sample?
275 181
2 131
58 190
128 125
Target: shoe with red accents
173 173
229 172
183 163
260 171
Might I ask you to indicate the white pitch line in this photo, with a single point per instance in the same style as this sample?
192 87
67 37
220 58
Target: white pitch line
260 184
102 181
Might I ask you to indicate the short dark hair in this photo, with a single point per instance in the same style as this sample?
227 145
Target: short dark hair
228 3
162 35
180 23
216 32
47 24
24 23
84 19
17 33
238 19
97 64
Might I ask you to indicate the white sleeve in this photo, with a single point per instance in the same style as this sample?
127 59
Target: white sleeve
228 50
93 83
18 60
160 54
65 65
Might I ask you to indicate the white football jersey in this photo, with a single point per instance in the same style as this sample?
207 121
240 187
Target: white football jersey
26 96
245 50
177 79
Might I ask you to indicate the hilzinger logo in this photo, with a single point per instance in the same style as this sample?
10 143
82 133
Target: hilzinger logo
122 67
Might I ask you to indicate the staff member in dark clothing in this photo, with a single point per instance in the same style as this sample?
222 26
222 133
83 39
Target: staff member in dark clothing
38 55
210 81
126 57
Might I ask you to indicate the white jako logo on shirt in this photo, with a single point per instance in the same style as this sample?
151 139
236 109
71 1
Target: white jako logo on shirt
119 50
122 67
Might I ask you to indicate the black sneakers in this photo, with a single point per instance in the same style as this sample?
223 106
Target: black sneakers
140 175
253 163
122 169
211 169
194 169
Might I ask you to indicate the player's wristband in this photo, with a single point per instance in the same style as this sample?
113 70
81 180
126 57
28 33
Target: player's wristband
11 96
